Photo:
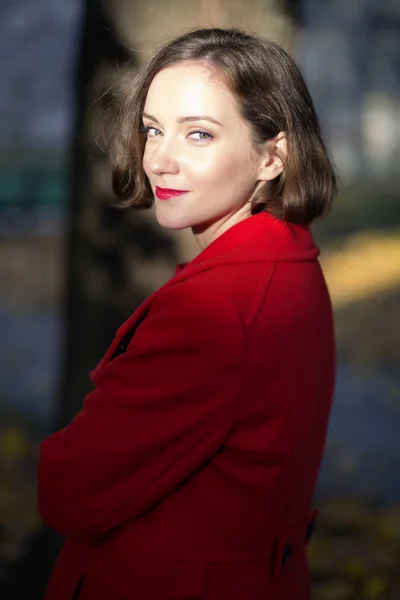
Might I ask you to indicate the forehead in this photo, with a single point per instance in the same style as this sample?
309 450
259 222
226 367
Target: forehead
189 86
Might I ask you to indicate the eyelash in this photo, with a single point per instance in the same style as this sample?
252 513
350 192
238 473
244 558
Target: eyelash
145 129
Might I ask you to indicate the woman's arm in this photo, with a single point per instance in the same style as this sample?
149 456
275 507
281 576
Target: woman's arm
156 414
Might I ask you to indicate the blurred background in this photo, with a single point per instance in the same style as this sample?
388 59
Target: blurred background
72 267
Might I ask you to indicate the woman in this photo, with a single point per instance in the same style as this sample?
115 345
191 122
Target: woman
190 470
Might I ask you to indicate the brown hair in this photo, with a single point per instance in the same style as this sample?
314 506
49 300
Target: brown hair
272 97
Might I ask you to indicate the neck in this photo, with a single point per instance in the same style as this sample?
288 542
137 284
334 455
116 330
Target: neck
205 234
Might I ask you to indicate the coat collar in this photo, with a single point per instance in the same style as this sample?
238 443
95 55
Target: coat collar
259 238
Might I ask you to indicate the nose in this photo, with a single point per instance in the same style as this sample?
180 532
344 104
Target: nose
162 158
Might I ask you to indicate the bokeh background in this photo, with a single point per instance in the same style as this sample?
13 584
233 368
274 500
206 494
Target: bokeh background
72 267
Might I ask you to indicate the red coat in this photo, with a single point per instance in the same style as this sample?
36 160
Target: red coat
190 470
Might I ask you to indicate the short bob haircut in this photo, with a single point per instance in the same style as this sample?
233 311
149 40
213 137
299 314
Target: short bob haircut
271 96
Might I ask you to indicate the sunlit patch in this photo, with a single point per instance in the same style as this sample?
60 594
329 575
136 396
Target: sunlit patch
367 264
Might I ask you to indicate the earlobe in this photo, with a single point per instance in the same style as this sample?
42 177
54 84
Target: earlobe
273 162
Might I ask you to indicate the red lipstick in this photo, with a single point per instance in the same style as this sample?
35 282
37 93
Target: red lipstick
166 194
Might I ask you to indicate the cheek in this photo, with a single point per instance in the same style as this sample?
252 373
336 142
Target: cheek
228 170
217 168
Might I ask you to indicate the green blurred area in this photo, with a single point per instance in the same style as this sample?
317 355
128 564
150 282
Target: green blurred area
43 186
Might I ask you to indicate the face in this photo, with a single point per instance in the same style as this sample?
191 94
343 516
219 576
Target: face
199 156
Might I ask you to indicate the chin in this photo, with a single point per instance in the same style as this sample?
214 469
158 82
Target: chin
173 222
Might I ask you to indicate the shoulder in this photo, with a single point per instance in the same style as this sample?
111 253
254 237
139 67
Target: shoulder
241 285
197 297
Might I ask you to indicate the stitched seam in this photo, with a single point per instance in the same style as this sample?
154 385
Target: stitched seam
262 289
285 477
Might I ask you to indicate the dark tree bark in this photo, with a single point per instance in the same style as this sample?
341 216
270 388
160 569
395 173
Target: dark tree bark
100 289
293 9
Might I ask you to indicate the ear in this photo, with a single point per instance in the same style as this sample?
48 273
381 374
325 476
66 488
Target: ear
273 157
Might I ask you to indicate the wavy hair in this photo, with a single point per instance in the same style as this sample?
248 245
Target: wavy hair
271 96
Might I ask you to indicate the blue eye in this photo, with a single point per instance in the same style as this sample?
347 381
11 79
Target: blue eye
203 135
150 131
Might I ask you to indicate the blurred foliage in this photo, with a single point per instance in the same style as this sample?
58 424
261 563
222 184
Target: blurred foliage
19 442
355 553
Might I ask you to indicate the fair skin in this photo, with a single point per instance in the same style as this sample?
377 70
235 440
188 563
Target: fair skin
197 142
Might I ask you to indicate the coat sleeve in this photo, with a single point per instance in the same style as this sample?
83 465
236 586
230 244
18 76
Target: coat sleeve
157 413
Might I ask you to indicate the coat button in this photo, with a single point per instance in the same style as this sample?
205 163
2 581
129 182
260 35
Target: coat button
287 551
122 346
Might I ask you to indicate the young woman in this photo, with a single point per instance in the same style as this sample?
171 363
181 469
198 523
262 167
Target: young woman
190 470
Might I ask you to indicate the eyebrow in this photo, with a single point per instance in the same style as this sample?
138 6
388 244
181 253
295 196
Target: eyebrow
186 119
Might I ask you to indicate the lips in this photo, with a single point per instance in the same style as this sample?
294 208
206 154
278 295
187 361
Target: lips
166 193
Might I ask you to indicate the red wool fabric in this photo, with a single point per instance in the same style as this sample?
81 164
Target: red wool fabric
191 468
